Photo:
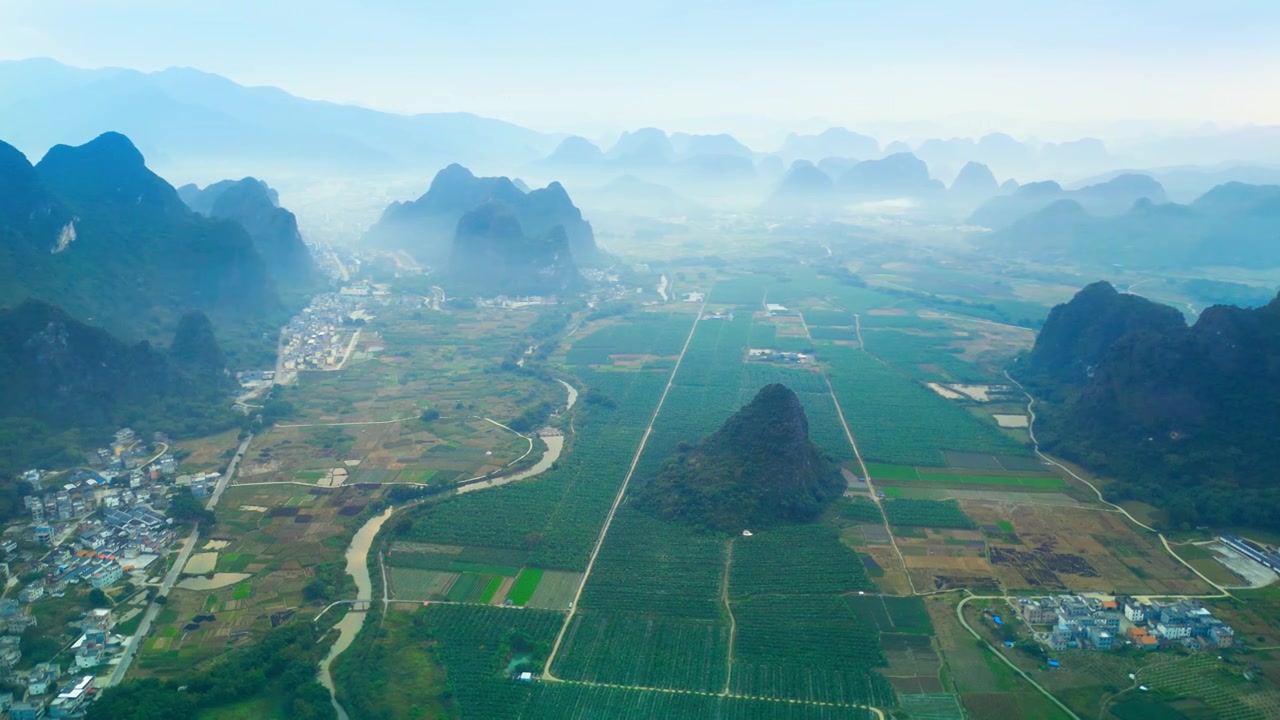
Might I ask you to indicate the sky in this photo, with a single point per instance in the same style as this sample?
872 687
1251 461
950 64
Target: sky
752 67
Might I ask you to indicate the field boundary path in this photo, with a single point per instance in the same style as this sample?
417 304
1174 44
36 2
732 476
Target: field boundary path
1031 433
737 696
866 476
617 500
728 608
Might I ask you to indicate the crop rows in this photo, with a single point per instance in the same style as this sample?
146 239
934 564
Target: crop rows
556 517
571 701
651 566
809 647
629 649
795 559
907 512
859 508
839 318
897 420
642 334
908 352
471 642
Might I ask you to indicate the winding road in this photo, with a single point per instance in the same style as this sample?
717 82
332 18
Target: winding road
1031 433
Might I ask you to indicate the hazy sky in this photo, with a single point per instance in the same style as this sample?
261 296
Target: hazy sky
748 66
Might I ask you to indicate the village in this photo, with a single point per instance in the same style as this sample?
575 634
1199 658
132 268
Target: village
1099 622
97 528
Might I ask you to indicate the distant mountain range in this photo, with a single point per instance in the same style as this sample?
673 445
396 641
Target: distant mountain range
1181 417
1112 197
1233 224
190 121
92 229
274 230
629 195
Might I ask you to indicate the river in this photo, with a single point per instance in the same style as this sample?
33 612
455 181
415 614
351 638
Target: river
349 626
358 554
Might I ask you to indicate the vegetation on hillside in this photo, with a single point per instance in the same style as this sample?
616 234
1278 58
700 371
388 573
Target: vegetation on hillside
1182 417
759 469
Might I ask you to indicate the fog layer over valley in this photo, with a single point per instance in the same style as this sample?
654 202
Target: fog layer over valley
606 402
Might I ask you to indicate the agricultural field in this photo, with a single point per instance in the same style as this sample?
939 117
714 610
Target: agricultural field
277 538
645 650
571 701
926 513
798 558
783 649
429 360
653 567
638 336
409 451
883 474
554 519
480 648
988 689
897 420
1077 548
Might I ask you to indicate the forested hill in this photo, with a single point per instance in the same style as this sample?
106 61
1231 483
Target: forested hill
759 469
1181 417
274 230
426 227
493 255
92 230
66 384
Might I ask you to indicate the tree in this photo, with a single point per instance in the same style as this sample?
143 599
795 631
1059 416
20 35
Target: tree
185 507
98 598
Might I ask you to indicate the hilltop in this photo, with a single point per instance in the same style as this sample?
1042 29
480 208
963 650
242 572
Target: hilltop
274 230
1183 417
426 227
759 469
93 230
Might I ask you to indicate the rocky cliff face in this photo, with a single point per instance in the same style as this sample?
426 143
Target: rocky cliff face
759 469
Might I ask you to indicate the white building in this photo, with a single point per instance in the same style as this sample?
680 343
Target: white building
1134 612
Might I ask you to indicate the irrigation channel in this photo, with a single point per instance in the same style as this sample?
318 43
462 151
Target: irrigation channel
357 557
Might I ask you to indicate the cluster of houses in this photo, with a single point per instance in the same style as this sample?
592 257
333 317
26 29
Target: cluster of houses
769 355
1104 623
46 695
317 337
511 303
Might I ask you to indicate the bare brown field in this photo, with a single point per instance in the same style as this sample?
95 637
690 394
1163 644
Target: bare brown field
1079 549
894 581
